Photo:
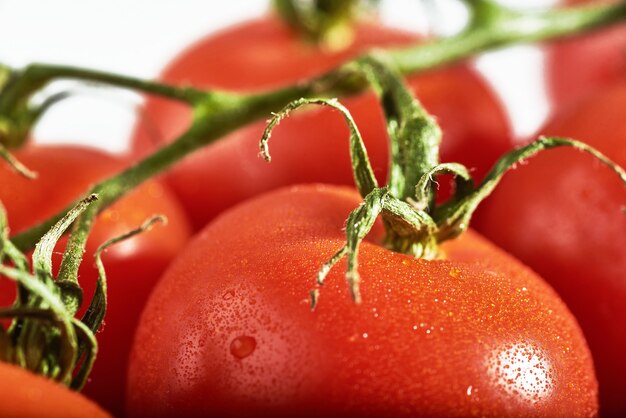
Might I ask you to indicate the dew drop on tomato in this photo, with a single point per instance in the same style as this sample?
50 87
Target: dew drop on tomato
522 370
242 346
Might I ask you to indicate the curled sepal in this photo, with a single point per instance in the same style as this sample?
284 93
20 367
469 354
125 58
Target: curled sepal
463 179
410 226
88 350
67 346
15 164
453 218
97 308
361 168
8 251
93 317
42 256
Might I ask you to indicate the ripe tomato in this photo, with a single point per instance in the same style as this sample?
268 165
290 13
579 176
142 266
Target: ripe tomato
26 395
574 236
65 173
228 331
265 54
579 66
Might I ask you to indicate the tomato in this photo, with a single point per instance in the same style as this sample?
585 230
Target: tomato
574 235
579 66
228 330
133 266
26 395
264 54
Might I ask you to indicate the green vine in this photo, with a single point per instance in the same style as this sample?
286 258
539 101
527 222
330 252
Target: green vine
415 223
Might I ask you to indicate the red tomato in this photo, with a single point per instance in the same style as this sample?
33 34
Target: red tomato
561 216
265 54
26 395
579 66
228 331
133 266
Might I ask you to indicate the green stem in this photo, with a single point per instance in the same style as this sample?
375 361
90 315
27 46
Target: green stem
511 28
326 22
37 75
498 30
217 114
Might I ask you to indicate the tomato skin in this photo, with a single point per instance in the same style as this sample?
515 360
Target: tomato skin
65 174
228 330
560 214
310 146
581 65
26 395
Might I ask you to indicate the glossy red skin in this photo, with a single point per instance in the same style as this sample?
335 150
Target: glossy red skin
313 145
560 214
431 338
581 65
65 173
26 395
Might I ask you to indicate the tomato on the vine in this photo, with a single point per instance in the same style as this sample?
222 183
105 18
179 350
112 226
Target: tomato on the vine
583 64
575 235
26 395
228 331
264 54
65 174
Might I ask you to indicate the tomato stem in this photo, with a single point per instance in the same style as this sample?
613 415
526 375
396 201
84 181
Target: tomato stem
492 27
218 113
361 168
506 27
325 22
414 220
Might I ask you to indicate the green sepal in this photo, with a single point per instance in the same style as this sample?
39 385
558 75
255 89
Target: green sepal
361 168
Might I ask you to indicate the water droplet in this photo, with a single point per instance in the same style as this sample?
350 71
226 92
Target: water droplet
228 295
469 390
522 369
242 346
365 335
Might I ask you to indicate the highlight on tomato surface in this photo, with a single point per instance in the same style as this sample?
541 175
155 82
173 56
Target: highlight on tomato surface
414 314
463 329
574 235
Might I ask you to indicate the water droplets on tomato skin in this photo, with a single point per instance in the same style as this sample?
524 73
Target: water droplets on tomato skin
242 346
228 295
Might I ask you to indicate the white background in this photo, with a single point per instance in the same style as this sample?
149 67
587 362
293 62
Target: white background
139 37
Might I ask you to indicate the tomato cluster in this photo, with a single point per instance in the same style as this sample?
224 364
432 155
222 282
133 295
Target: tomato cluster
228 329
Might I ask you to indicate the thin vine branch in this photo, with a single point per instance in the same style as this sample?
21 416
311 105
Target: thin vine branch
218 113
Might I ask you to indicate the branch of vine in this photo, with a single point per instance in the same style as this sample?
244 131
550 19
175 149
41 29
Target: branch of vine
217 113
